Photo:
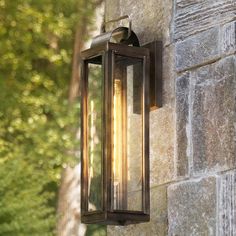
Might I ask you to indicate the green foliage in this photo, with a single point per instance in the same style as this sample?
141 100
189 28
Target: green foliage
95 230
36 125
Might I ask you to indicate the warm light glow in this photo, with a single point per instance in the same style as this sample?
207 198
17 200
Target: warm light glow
92 133
91 148
117 139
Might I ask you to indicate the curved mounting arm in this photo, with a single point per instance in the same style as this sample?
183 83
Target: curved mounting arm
116 20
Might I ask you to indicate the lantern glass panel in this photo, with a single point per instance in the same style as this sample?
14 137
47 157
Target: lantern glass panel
94 133
127 155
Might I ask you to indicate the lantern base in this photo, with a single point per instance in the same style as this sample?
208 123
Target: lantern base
115 218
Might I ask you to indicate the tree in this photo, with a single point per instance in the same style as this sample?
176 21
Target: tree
35 119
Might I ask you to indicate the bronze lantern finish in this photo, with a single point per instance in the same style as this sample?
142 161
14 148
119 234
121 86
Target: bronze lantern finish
115 84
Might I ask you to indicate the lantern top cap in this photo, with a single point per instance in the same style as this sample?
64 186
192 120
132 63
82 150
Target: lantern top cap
121 35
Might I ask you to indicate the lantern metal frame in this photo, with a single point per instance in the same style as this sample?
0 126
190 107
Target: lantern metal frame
107 50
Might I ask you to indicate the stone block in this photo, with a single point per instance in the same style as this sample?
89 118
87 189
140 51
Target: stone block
162 127
168 73
198 49
192 208
182 125
150 19
228 38
227 204
161 146
213 116
206 46
158 223
146 23
112 11
194 16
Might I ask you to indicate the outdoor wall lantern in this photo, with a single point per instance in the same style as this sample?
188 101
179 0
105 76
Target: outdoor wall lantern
118 91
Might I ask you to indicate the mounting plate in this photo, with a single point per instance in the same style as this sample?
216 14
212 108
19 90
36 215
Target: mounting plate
155 48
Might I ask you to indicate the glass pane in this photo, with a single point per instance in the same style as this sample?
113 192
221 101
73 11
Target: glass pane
127 134
95 80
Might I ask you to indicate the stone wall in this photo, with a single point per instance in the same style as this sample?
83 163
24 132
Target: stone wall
193 136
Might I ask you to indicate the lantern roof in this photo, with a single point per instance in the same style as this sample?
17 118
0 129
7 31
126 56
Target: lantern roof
121 35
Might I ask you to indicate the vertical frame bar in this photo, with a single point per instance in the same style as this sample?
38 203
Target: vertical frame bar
84 138
112 69
124 140
146 102
108 129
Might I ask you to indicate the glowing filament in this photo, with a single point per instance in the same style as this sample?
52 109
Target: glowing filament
92 133
117 137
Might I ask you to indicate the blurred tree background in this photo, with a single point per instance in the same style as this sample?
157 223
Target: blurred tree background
37 124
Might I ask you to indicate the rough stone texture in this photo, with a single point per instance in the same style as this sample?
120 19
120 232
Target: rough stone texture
192 208
182 124
112 11
161 151
227 204
155 23
228 38
158 224
194 16
198 49
206 46
162 127
151 19
168 75
213 116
